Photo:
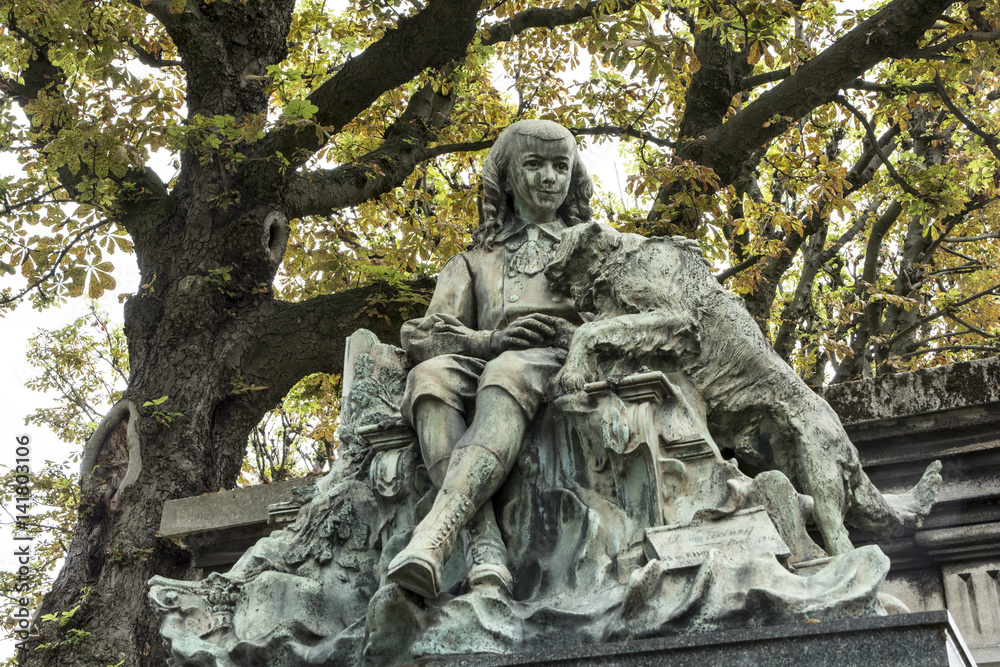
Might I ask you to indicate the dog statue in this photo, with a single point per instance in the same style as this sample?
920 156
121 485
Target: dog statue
657 305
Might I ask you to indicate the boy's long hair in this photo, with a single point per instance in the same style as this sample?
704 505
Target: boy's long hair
498 203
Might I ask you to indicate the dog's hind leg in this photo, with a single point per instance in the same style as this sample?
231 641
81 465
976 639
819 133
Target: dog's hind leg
911 507
885 515
820 476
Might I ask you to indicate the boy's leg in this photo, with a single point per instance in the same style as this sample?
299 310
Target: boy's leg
439 428
478 466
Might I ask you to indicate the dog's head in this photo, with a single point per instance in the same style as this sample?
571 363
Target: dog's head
579 257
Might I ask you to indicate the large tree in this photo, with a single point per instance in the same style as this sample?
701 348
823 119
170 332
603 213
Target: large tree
842 165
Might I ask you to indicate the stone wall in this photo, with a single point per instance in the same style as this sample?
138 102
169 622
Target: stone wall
899 424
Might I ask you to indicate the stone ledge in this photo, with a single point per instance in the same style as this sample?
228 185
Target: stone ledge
927 639
961 385
217 528
225 509
900 423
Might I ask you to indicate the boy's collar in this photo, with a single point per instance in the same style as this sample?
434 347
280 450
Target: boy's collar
552 230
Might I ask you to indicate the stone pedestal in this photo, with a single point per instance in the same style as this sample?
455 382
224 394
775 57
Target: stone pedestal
927 639
899 423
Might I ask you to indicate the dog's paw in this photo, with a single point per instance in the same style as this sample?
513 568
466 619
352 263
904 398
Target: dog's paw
564 331
569 381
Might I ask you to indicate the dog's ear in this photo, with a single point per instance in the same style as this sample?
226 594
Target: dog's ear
605 238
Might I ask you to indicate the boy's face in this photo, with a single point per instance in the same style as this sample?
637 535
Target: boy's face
540 175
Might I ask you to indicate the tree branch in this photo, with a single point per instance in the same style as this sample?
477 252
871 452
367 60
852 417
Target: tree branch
888 34
162 10
971 36
548 17
437 35
148 59
726 274
955 253
434 37
751 82
972 328
297 339
991 141
950 348
9 208
950 334
322 191
970 239
42 76
55 265
941 312
860 174
870 133
612 130
953 220
890 88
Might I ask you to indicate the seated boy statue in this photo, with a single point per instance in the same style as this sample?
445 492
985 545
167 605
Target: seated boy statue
493 337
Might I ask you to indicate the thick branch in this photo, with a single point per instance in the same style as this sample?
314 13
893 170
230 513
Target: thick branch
39 75
712 87
437 35
226 50
406 145
297 339
889 33
751 82
547 17
424 41
324 191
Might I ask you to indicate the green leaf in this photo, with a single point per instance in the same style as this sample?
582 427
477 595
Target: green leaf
302 109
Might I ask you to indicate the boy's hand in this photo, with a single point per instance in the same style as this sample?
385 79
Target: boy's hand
532 331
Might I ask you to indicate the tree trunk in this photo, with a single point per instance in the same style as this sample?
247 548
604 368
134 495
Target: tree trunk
203 320
190 340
